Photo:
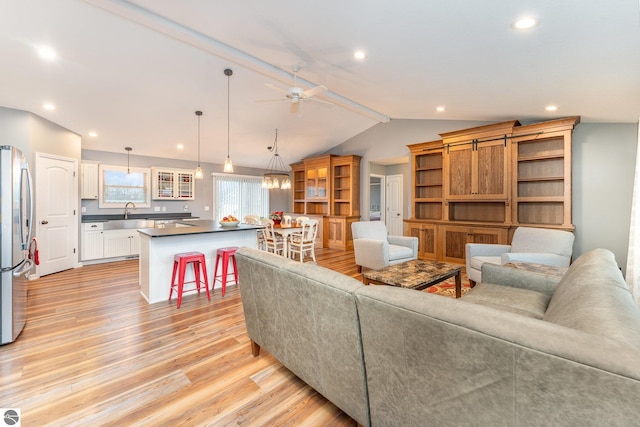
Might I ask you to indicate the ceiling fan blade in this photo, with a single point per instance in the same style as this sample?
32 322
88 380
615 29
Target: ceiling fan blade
295 107
314 91
322 101
274 87
272 100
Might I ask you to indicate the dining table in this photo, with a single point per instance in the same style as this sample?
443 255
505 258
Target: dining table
285 231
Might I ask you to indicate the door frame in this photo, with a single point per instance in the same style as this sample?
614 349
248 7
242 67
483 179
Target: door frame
383 196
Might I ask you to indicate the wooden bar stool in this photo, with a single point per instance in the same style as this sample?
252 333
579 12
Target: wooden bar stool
224 255
180 262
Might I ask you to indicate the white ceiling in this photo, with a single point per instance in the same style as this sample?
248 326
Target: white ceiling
136 71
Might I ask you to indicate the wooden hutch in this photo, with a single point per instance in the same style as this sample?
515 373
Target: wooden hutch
477 185
328 188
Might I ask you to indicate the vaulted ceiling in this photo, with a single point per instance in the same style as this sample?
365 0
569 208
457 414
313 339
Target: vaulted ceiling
136 71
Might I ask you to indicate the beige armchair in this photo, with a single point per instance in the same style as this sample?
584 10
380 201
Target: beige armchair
535 245
375 249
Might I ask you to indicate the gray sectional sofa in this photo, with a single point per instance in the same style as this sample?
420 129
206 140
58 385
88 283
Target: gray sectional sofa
525 350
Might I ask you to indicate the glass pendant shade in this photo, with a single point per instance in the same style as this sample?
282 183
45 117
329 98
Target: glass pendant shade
228 165
198 173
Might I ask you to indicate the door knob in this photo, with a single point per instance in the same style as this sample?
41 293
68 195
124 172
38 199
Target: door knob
44 222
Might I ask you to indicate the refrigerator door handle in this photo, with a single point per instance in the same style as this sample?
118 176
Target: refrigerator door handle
25 243
25 268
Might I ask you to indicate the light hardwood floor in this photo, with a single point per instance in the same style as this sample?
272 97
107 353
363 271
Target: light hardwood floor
95 353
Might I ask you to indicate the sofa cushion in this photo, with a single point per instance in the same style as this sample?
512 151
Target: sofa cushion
593 297
515 300
399 252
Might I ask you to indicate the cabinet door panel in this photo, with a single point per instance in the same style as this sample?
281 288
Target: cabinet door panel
455 240
491 163
117 243
460 171
92 245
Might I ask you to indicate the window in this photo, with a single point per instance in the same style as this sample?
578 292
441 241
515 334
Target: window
119 186
239 196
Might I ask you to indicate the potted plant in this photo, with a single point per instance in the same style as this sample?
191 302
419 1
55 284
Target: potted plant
276 216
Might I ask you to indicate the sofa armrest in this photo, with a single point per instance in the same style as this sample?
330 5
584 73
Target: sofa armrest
538 258
516 278
408 241
371 253
485 249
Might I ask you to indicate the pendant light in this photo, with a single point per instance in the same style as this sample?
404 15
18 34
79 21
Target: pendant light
198 174
228 166
128 150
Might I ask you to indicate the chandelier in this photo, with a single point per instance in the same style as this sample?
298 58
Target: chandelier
275 176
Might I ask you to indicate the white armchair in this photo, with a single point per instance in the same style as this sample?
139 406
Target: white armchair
375 249
535 245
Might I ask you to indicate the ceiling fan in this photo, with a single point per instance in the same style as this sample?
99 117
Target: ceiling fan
296 94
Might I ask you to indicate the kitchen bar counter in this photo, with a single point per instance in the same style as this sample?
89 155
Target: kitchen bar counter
159 245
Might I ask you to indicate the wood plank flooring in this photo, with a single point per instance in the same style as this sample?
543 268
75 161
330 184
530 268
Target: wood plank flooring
94 352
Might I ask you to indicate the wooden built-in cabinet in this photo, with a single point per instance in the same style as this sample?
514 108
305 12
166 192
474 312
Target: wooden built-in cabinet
328 186
478 185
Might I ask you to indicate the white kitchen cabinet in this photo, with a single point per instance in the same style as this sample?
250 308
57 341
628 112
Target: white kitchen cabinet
118 243
92 241
172 184
89 180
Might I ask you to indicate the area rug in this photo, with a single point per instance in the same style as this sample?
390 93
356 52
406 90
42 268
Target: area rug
448 288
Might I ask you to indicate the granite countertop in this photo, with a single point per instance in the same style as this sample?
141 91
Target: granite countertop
199 226
153 215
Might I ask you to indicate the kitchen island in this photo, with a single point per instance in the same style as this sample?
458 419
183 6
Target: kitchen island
159 245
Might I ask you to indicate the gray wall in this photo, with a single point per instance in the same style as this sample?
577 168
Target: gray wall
603 172
204 187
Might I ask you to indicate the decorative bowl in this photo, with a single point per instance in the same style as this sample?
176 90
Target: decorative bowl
228 224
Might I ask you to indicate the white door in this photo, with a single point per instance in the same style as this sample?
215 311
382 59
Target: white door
56 212
395 213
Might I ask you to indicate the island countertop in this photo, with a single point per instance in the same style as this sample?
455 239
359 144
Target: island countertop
200 226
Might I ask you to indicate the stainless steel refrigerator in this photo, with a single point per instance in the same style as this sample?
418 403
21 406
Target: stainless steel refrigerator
16 211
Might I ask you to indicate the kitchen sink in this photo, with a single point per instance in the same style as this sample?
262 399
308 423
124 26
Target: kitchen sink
128 223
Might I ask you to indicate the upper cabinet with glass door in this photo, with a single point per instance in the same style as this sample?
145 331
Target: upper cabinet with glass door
317 176
172 184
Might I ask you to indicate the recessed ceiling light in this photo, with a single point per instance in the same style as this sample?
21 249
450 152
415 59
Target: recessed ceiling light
47 53
440 108
359 54
180 147
48 106
525 23
93 134
551 108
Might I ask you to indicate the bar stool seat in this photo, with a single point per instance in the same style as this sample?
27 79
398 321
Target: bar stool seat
180 262
224 255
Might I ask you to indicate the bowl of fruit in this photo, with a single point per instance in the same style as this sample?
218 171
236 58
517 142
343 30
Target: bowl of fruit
229 221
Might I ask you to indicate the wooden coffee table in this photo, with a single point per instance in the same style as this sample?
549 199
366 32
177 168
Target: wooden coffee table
416 274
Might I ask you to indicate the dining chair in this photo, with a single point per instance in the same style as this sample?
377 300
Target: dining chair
304 241
273 242
301 219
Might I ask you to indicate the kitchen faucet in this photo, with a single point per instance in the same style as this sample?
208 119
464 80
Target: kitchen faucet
126 214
